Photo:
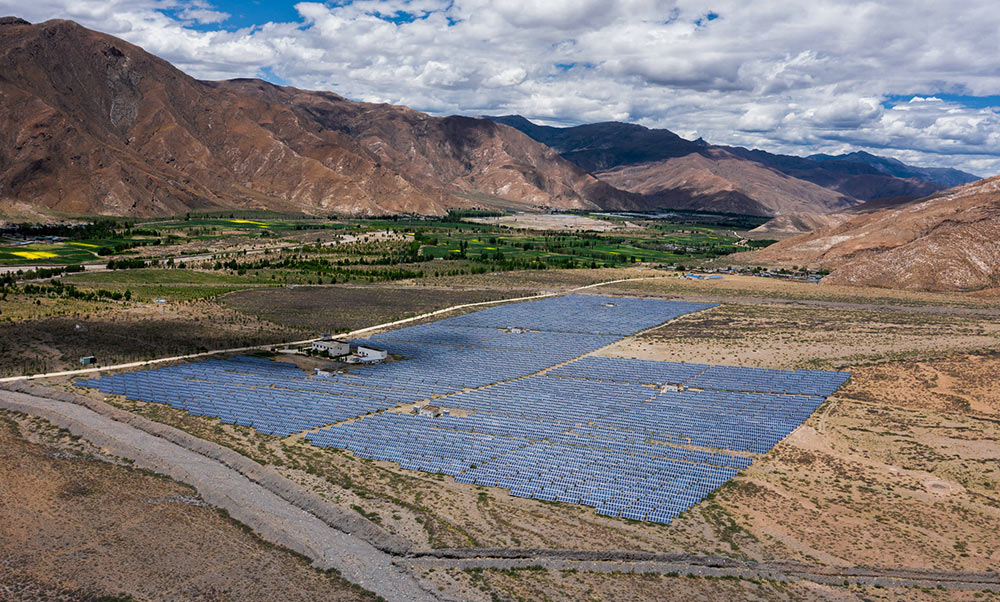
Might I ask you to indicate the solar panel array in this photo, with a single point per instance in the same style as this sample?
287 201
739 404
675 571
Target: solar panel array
532 415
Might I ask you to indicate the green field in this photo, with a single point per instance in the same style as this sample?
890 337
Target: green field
49 253
580 249
207 227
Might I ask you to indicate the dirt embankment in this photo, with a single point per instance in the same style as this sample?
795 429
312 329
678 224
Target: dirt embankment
253 494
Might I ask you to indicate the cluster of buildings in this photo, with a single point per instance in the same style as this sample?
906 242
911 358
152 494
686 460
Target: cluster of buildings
339 349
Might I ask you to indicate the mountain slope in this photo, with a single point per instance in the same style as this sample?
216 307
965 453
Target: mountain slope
692 174
713 171
944 242
601 146
92 124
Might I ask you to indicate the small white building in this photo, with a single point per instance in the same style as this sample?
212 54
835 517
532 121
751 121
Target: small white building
367 354
332 348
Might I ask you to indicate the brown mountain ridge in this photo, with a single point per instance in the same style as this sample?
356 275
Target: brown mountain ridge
90 124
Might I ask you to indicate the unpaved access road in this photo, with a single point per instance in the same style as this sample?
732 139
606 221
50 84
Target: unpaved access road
274 518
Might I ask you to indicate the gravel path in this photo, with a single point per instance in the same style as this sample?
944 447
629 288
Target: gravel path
272 517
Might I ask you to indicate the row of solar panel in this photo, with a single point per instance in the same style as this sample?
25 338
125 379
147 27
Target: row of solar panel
702 376
620 447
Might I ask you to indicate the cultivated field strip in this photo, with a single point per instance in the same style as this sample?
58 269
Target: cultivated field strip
633 439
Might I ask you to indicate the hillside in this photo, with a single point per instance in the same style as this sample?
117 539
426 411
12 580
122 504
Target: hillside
705 175
945 242
687 174
90 124
797 223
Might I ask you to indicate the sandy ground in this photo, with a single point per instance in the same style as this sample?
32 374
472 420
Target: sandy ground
74 519
579 586
546 221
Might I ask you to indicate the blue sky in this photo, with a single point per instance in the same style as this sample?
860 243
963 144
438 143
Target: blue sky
918 81
240 15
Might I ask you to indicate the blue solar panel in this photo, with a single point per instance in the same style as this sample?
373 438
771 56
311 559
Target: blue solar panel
631 438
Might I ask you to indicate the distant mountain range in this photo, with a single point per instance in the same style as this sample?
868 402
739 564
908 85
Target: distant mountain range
693 174
943 176
90 124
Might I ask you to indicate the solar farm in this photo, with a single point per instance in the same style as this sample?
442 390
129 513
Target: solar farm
530 410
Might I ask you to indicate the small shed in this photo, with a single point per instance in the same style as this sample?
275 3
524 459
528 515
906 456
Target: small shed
88 360
430 411
368 354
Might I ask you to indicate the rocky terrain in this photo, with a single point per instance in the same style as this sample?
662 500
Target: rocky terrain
944 242
797 223
91 124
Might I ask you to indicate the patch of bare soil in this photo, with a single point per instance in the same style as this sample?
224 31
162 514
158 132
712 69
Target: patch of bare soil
535 583
740 286
776 336
548 221
135 333
879 486
967 382
75 527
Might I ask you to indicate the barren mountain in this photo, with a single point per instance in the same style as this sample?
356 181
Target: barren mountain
91 124
686 174
945 242
713 171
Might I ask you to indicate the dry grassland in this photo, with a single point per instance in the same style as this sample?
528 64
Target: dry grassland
78 525
790 337
479 585
344 308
